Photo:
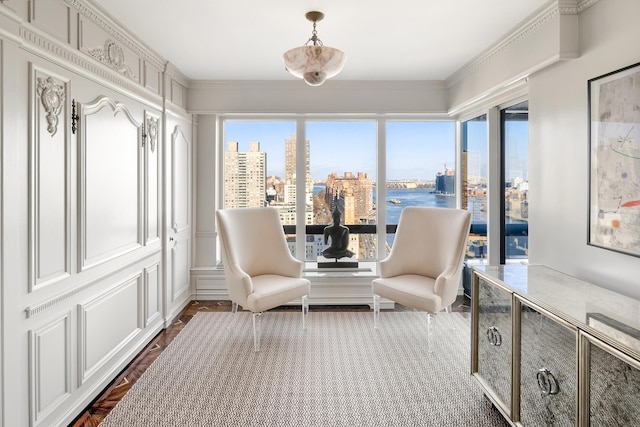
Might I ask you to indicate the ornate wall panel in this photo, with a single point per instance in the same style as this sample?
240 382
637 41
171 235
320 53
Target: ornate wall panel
110 181
153 294
152 77
178 233
181 172
180 268
106 324
152 177
53 17
178 94
49 176
49 367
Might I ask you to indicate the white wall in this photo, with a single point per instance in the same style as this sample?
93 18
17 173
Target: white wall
333 97
558 148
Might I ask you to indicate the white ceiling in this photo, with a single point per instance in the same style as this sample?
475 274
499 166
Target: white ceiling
383 40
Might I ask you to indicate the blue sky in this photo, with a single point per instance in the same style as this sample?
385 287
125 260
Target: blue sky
415 150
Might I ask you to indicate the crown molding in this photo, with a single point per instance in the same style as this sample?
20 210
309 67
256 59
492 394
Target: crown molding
586 4
95 14
297 83
175 74
527 27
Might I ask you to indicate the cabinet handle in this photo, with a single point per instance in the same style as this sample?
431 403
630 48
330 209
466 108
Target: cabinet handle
493 336
547 383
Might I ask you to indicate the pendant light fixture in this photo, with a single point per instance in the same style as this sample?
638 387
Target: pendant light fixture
314 62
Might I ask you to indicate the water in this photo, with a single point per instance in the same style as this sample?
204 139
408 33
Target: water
426 197
416 197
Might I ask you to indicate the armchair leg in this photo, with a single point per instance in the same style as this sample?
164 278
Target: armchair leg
234 310
256 332
305 310
376 310
447 309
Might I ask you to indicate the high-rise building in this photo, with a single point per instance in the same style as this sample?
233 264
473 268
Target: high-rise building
352 194
245 176
290 170
446 183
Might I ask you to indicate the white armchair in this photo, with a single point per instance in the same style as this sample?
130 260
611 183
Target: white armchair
260 271
424 268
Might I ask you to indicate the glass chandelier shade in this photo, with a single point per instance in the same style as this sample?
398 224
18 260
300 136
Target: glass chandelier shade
314 63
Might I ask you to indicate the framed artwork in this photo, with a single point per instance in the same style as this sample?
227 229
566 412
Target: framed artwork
614 145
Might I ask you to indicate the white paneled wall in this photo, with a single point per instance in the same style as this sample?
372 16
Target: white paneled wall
89 275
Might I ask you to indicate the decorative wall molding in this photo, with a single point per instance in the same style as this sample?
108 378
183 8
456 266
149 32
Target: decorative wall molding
111 54
36 309
98 155
152 179
49 179
115 32
49 361
175 74
586 4
52 95
180 151
153 293
123 301
80 60
561 7
152 132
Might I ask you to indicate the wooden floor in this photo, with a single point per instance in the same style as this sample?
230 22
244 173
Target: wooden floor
98 410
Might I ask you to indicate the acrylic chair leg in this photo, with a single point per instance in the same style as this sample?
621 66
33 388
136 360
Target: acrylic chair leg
234 310
447 309
256 332
376 310
429 315
305 311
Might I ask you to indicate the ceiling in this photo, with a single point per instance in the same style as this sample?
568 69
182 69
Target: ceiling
383 40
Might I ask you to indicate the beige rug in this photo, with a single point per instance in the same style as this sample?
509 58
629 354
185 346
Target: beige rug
339 372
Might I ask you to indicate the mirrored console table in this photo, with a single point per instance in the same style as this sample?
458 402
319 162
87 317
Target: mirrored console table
549 349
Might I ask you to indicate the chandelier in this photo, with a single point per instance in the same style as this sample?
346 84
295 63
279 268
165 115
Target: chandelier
314 62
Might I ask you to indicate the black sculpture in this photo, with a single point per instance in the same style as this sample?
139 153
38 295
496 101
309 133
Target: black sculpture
339 235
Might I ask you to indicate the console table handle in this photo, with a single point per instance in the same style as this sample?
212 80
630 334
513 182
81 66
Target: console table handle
547 383
493 336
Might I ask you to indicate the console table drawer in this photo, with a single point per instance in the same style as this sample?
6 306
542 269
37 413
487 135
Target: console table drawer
614 386
548 369
493 334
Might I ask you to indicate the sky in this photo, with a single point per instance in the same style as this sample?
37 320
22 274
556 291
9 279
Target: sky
415 150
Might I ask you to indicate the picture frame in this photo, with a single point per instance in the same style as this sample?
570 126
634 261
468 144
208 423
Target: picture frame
614 160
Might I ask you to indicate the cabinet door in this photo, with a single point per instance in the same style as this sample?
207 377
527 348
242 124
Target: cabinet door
548 370
614 384
493 338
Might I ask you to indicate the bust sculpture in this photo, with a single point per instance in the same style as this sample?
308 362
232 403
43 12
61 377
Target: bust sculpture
339 235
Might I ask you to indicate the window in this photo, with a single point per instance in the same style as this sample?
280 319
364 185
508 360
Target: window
420 160
474 183
262 163
343 164
515 142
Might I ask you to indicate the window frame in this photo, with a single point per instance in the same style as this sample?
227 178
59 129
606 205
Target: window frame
495 184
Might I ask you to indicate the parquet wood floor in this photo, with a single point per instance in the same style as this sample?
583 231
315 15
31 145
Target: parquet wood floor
111 395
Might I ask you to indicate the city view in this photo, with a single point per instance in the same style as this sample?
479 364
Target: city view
340 166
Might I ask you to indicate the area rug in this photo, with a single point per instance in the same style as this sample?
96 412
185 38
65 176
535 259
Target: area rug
339 372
